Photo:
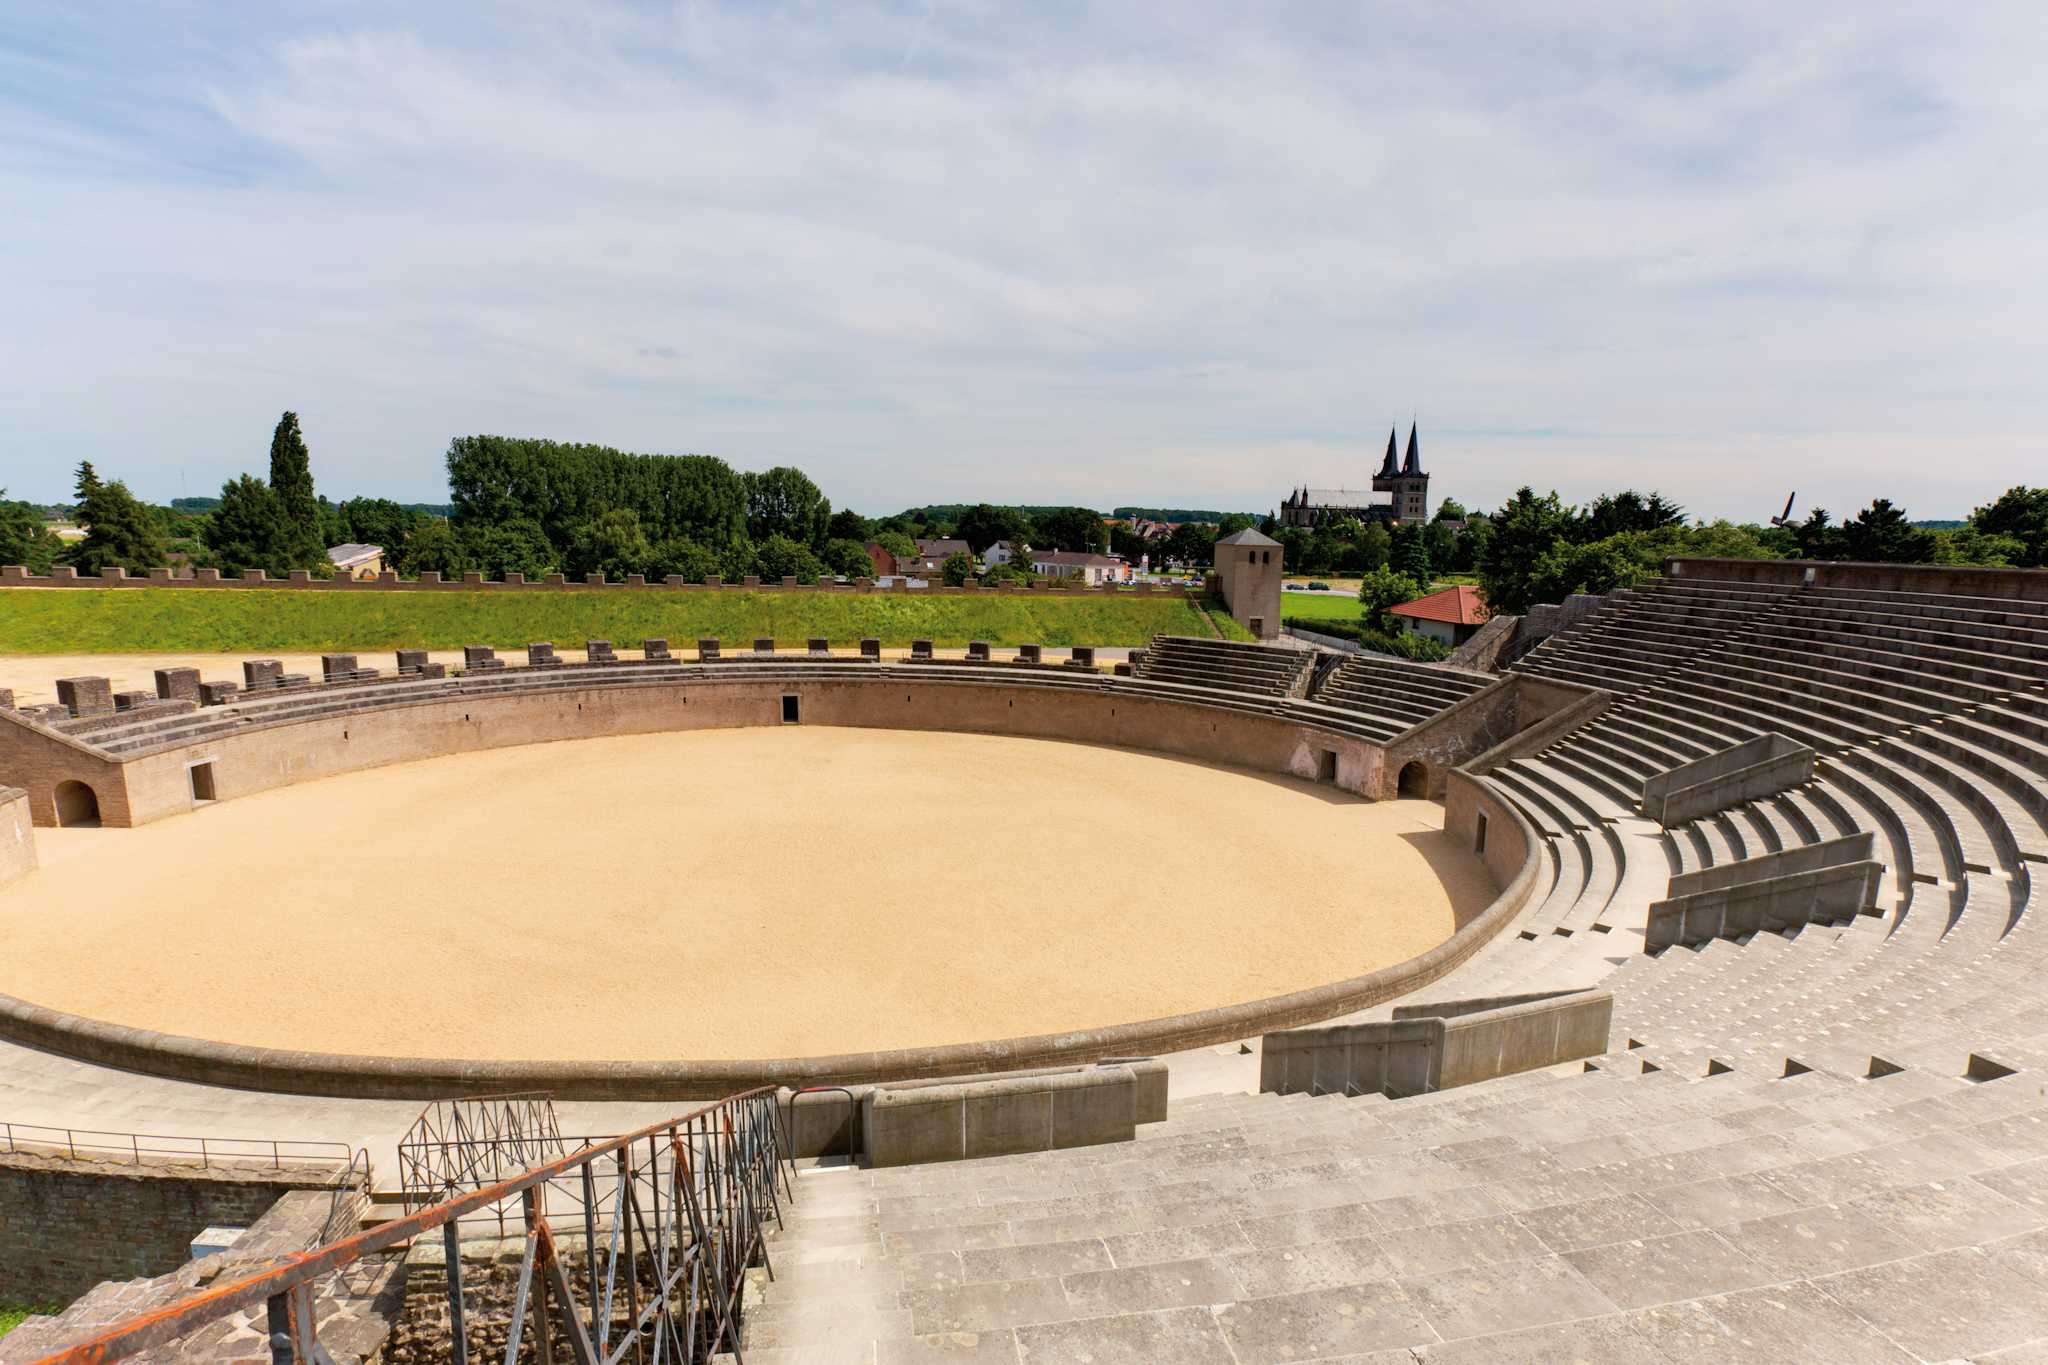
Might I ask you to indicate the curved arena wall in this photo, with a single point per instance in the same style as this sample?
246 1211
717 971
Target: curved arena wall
157 785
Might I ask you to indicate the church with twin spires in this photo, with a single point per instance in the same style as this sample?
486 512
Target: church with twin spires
1402 477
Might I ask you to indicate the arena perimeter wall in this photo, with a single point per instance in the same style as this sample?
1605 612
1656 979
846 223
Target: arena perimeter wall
156 785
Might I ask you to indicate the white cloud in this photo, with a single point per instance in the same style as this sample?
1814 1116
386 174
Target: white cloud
1182 253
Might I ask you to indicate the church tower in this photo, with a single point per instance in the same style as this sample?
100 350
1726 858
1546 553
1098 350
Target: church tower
1407 482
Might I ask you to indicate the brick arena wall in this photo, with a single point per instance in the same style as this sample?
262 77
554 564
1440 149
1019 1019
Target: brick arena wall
155 786
66 1225
17 835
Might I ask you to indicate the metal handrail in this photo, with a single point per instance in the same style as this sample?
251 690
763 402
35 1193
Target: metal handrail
720 1250
34 1139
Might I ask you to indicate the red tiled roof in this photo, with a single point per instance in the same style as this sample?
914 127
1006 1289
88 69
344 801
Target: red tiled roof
1460 606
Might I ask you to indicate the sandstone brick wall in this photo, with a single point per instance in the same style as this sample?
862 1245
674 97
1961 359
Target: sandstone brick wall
66 1225
17 835
154 786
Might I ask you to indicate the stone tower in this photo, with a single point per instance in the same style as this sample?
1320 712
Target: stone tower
1248 572
1407 482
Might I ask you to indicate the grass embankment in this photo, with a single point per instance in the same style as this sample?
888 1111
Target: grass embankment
172 620
1310 607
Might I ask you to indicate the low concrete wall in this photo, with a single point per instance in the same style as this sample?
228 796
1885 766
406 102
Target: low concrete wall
1762 766
1848 848
915 1124
2029 585
827 1122
1822 895
66 1225
1416 1053
17 835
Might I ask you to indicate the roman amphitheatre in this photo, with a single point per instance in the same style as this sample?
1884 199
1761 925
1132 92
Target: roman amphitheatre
1659 978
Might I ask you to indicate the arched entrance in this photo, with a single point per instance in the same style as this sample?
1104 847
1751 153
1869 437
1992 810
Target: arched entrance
1413 782
77 804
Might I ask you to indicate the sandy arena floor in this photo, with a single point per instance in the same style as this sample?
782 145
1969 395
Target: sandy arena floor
733 893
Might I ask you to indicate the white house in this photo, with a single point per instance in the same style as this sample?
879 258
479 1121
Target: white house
1000 553
1093 569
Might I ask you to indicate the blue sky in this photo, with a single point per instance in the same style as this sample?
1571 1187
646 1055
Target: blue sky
1185 254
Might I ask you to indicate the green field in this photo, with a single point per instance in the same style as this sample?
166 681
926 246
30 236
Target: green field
173 620
1320 606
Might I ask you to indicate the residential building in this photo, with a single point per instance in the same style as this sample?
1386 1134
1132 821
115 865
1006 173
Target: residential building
1453 615
1093 569
356 561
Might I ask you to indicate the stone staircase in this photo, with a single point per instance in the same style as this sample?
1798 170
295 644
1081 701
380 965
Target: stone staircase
1615 1214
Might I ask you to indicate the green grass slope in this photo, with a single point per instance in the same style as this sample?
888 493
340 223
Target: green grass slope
172 620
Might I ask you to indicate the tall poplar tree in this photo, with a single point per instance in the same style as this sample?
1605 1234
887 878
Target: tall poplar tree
291 482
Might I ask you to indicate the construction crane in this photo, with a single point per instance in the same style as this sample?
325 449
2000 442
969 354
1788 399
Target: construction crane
1784 518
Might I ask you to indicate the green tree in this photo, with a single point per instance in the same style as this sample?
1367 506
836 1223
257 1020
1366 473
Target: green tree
784 502
24 539
848 558
1380 591
681 555
1410 554
1968 545
983 525
1817 537
958 569
1076 528
1375 547
1450 509
517 546
1189 543
847 524
2020 513
119 531
612 544
1880 534
1613 513
1524 530
778 557
247 530
379 521
1470 545
436 547
1565 569
1230 523
896 543
291 483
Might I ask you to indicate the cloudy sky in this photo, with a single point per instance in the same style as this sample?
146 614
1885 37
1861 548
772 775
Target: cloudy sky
1178 253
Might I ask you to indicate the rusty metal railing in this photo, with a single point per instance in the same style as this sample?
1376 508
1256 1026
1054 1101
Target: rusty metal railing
34 1139
671 1217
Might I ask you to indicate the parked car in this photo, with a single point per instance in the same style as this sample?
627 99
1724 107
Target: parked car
1318 587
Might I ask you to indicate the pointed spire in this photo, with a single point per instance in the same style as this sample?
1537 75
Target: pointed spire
1389 466
1413 464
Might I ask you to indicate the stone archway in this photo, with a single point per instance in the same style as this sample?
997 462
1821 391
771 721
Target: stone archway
1413 783
77 805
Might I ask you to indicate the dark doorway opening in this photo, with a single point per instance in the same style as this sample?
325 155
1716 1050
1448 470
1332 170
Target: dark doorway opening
1414 780
202 781
1326 765
789 709
77 805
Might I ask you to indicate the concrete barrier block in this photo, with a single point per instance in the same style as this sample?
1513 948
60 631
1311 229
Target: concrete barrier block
905 1127
1001 1118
